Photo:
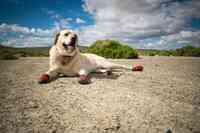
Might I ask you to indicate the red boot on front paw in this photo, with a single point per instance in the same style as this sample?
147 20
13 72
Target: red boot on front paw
44 78
84 79
137 68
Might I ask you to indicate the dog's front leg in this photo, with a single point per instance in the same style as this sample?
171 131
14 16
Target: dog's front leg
84 77
46 77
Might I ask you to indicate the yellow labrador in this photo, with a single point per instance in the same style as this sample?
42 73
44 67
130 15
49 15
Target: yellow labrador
66 59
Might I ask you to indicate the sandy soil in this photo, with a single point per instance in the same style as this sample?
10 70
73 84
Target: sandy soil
165 95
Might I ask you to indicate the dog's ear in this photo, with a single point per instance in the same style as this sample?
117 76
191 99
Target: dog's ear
76 37
56 38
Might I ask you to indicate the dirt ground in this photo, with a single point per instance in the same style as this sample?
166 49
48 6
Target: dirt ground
165 95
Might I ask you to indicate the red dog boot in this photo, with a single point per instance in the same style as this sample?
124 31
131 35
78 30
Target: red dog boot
44 78
84 79
137 68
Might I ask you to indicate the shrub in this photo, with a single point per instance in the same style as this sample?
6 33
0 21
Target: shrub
188 51
112 49
8 56
152 53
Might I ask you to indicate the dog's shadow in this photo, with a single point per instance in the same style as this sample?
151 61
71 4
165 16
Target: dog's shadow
97 75
112 75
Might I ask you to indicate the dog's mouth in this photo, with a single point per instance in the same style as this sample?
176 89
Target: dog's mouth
66 46
70 45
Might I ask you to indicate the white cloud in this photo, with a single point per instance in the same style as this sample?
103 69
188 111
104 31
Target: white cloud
60 22
182 35
22 36
28 41
14 28
186 34
25 37
132 20
176 40
80 21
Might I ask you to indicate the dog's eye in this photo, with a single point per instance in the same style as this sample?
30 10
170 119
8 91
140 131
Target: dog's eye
66 34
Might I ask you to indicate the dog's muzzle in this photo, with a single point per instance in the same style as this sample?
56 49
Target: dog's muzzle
71 44
65 45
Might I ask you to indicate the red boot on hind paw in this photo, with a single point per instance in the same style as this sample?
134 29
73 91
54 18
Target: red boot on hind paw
83 79
44 78
137 68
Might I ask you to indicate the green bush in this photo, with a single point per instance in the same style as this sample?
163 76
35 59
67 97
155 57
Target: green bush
187 51
8 56
152 53
184 51
13 53
112 49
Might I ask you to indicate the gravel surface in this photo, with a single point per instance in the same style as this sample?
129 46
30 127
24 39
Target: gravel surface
166 95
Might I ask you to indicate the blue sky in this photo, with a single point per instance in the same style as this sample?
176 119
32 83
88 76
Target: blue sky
155 24
34 13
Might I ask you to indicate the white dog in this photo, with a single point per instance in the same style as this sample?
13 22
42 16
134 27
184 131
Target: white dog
66 59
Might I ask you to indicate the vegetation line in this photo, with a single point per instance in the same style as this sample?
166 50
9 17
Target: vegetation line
105 48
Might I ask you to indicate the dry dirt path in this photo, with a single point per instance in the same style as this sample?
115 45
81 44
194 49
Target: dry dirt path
165 95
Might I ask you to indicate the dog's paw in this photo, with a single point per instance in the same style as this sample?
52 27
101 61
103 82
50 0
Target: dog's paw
44 78
137 68
84 79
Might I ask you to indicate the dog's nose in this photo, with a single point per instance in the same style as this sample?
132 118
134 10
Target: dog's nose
73 38
65 45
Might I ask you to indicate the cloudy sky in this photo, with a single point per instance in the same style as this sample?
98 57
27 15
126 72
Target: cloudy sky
155 24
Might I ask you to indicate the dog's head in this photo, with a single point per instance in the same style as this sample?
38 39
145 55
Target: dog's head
66 42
